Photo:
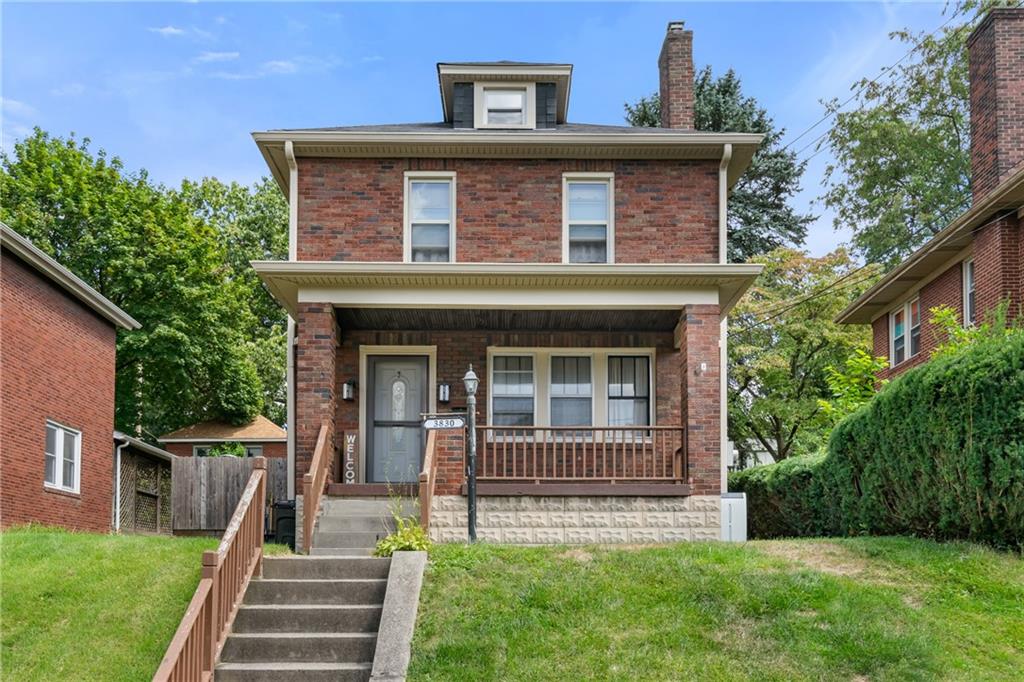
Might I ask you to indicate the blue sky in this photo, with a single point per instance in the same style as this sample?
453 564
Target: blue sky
177 88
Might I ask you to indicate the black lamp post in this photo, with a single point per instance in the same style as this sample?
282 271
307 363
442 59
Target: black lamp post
471 381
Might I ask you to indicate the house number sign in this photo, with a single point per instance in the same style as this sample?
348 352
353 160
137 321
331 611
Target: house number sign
444 422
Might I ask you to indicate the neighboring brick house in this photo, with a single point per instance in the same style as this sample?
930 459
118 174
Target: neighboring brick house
579 268
978 260
261 438
58 338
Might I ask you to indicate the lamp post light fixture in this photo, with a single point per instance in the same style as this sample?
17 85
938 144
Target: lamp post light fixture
471 382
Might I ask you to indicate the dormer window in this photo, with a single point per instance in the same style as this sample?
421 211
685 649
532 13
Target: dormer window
505 105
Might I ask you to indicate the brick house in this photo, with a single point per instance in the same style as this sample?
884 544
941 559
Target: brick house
58 339
580 269
261 438
978 260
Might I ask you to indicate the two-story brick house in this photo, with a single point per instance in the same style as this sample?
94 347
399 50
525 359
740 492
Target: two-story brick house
977 261
580 270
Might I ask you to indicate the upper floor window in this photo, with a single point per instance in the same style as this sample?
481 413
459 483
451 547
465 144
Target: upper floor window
970 308
588 218
430 217
905 331
63 457
505 105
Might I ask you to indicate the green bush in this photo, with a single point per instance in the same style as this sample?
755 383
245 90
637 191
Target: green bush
409 536
939 453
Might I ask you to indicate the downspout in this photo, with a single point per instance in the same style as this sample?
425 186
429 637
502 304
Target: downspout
723 335
293 248
117 486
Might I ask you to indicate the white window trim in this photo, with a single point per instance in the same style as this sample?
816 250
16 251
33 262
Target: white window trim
480 108
59 468
595 178
969 263
598 377
440 176
907 328
258 448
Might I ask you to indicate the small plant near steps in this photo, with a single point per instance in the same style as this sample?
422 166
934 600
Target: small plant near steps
408 536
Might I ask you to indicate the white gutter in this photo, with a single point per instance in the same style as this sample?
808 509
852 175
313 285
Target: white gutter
723 332
293 249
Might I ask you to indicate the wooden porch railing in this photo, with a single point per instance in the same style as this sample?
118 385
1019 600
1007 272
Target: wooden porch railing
193 651
313 483
590 454
427 478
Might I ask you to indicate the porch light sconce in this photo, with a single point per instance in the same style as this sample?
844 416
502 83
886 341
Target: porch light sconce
701 369
444 392
348 390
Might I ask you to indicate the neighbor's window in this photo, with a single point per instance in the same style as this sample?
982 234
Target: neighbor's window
587 230
903 323
899 337
63 457
571 391
201 450
970 309
505 106
512 390
253 450
430 207
915 326
629 390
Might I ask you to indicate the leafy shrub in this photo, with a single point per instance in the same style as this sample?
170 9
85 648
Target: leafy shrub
227 449
409 536
939 452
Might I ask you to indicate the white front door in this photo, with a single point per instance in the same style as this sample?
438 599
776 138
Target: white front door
397 397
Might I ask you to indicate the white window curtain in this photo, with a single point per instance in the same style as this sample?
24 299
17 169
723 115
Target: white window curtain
588 221
430 219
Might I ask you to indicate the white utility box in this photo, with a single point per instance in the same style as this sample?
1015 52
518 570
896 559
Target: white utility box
734 517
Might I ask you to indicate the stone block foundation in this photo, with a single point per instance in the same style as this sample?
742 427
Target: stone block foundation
536 520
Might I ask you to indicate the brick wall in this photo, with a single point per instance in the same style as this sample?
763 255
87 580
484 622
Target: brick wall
315 387
185 449
507 210
997 264
996 49
58 363
699 372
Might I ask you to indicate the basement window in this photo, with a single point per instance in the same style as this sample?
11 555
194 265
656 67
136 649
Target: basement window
63 457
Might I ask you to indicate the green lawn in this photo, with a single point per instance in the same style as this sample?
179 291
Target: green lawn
82 606
852 609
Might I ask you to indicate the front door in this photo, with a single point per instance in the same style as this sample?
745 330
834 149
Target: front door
397 397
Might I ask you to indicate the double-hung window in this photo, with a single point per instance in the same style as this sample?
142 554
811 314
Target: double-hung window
512 389
629 390
588 218
571 391
430 217
63 457
970 310
905 331
508 105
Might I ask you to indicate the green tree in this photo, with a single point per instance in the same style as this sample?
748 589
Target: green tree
852 385
760 215
142 247
902 166
782 340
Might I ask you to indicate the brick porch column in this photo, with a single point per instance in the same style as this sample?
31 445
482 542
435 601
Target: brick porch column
315 383
697 338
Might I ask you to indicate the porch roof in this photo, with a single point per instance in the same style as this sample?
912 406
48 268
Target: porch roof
507 286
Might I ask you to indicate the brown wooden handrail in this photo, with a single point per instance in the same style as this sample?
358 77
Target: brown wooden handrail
193 651
582 454
313 483
427 479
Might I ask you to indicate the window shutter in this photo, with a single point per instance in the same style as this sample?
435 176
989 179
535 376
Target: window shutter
462 105
546 107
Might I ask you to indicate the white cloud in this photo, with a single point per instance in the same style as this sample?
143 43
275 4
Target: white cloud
207 57
69 90
372 58
13 107
280 66
168 30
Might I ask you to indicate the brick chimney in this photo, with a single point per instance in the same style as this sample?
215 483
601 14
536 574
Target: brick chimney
675 72
996 52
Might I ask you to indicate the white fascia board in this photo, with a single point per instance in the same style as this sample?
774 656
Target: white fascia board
498 137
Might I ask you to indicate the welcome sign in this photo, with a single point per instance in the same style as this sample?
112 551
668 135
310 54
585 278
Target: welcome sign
350 452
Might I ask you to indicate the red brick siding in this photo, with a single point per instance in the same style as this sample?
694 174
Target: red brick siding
675 78
315 387
997 98
456 350
997 264
507 210
186 449
701 392
58 363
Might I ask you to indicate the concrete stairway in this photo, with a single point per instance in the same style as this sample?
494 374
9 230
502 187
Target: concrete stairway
308 618
350 526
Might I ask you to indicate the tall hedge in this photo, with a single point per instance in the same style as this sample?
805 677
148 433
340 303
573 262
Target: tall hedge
939 452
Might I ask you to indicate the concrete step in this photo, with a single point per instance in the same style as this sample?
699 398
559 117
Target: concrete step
293 672
319 567
348 538
329 591
342 551
308 618
338 523
361 507
316 647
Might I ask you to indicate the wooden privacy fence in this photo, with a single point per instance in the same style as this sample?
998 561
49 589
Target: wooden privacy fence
193 651
206 490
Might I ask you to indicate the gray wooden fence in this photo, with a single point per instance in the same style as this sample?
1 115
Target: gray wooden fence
206 490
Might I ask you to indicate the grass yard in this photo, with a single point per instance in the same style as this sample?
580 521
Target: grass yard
850 609
82 606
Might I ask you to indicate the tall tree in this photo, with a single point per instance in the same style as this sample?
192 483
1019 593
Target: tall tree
144 249
782 342
760 215
902 145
